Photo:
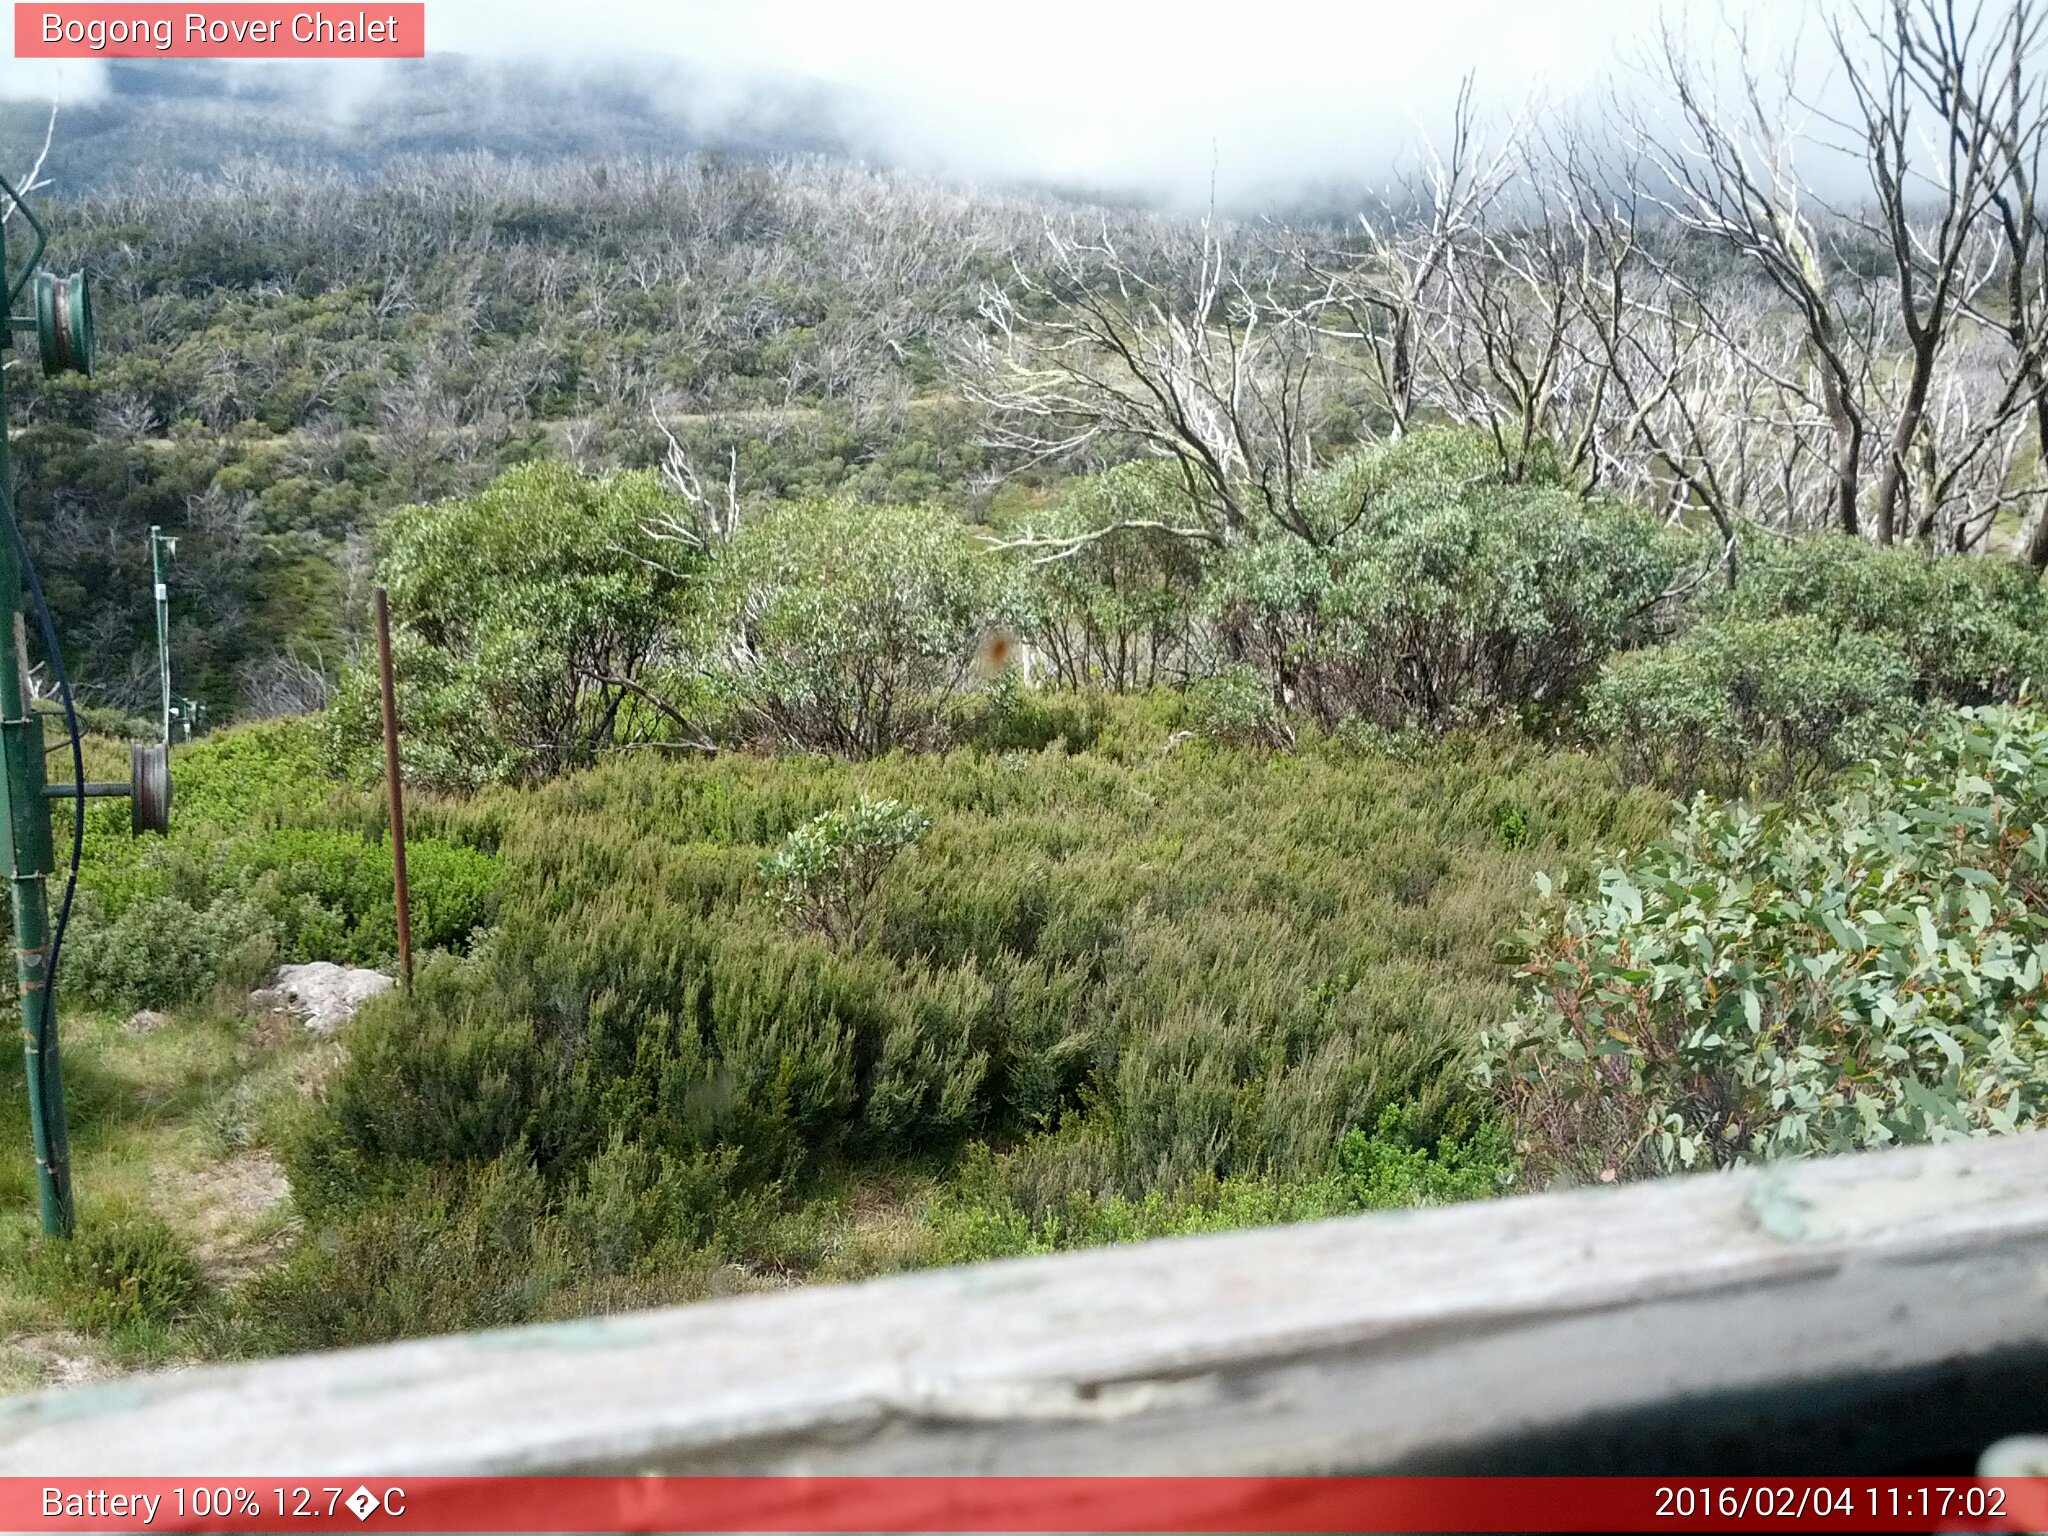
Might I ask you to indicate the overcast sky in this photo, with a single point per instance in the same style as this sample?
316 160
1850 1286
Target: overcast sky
1105 93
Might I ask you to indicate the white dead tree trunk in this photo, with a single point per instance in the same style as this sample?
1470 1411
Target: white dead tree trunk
1943 116
27 185
1200 359
1930 185
1391 293
709 520
1733 179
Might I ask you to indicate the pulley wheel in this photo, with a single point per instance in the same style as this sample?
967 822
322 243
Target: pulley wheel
64 323
149 787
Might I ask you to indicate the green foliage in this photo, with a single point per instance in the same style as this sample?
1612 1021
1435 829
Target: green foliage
1753 705
1128 986
530 620
1776 982
1973 631
264 863
496 1244
1236 706
249 775
270 383
1821 649
826 872
1010 715
329 892
1395 1166
1445 594
1056 1191
845 629
1512 822
125 1274
162 951
1180 978
981 1217
439 1255
1111 593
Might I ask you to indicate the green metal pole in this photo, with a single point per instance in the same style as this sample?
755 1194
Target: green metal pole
163 623
30 859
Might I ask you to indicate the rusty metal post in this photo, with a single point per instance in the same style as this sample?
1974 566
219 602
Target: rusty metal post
401 892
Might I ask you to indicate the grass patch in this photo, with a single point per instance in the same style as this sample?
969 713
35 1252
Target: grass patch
172 1217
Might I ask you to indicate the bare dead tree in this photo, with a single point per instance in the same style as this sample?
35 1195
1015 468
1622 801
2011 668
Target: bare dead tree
33 180
1520 352
1944 116
283 684
2002 100
1657 431
1734 179
708 521
1968 471
1206 360
1930 194
1390 292
26 186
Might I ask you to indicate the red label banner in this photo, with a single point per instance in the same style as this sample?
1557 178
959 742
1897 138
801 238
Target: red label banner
1023 1504
235 31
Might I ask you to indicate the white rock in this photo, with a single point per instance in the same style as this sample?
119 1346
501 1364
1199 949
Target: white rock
323 994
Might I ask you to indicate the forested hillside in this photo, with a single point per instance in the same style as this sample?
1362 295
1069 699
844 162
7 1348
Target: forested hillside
290 353
949 723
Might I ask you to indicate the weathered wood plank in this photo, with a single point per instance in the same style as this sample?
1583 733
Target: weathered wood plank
1895 1284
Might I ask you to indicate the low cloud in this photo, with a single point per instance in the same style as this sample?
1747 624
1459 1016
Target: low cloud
1264 102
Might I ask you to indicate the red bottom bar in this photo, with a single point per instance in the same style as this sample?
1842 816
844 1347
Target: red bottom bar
1050 1504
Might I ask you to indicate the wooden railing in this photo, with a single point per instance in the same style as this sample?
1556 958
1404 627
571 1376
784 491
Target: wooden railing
1887 1310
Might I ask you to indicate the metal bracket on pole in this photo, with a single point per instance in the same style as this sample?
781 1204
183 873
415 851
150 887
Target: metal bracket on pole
147 791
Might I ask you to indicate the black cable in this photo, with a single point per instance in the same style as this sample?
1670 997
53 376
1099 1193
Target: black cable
49 628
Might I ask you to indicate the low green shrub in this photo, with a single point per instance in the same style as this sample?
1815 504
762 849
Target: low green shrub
845 629
975 1220
1445 594
119 1275
1167 985
1512 822
532 623
1397 1165
1059 1191
331 895
1010 715
466 1089
1111 594
257 871
1753 706
456 1250
162 951
825 874
1972 630
492 1244
1236 706
1778 982
1821 649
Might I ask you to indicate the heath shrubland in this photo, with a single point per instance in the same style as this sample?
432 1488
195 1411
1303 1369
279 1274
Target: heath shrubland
773 929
